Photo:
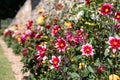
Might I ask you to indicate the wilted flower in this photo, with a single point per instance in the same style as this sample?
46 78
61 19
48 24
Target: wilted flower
114 43
61 44
117 16
55 61
106 9
87 50
59 6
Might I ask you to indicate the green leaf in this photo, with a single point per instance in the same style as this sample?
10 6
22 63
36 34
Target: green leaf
110 62
90 69
74 76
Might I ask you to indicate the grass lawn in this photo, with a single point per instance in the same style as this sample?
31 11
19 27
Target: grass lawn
5 68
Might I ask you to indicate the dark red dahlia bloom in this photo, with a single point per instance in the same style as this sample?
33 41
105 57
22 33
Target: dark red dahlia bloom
106 9
117 16
100 69
87 2
48 26
38 36
25 52
32 34
8 33
29 25
73 40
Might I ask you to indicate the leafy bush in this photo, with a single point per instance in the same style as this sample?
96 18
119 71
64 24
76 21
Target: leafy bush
84 46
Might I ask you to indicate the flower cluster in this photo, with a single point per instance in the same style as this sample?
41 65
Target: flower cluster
80 44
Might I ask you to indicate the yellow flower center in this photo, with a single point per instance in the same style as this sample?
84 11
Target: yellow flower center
118 16
106 10
56 31
61 45
87 49
55 62
115 43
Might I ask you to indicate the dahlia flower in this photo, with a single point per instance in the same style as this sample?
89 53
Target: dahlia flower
106 9
87 50
55 61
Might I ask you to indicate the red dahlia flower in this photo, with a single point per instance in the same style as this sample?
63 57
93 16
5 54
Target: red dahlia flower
114 43
25 52
55 30
79 32
73 41
100 69
61 44
87 50
106 9
55 61
87 2
23 38
117 16
29 25
41 52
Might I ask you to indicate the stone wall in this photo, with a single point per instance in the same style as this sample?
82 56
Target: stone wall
23 15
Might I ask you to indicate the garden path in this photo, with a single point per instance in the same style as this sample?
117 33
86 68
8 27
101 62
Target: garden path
14 60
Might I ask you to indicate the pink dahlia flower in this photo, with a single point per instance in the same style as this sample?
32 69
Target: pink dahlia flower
23 38
117 16
41 52
106 9
29 24
55 30
61 44
79 32
55 61
87 50
114 43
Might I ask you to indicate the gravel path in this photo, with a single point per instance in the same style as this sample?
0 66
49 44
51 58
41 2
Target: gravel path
14 61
